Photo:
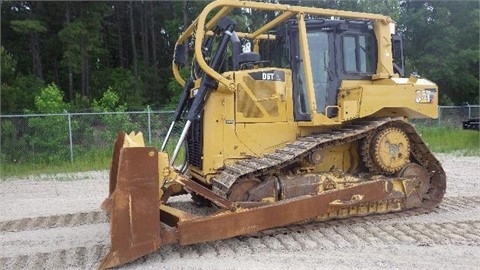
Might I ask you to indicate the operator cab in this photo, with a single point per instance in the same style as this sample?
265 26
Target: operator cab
338 50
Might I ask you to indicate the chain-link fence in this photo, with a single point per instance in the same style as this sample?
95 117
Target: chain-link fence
452 116
53 138
455 115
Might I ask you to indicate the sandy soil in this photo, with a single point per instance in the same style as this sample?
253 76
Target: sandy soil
54 222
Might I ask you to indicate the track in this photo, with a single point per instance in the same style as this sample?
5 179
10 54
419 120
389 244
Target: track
80 240
355 131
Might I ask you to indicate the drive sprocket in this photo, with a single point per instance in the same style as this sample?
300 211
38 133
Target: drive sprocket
387 151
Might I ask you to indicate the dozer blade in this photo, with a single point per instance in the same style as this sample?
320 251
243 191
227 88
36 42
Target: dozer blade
133 204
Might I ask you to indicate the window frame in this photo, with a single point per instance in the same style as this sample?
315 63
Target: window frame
369 56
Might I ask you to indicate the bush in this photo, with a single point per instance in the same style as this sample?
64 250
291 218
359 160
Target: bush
111 124
48 138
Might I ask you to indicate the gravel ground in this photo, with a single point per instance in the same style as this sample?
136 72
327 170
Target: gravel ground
54 222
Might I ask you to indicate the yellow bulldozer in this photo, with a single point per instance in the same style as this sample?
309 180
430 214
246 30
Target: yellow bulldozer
303 118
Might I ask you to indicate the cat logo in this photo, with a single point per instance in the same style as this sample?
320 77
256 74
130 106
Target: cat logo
425 96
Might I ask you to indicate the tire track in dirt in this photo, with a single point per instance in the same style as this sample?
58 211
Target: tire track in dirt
77 257
304 237
334 234
46 222
449 204
443 233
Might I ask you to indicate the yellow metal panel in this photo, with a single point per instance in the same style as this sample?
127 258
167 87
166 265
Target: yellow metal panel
217 161
163 168
215 115
377 97
262 138
319 119
388 97
225 139
384 47
349 101
262 100
350 109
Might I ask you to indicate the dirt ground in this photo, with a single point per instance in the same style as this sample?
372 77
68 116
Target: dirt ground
54 222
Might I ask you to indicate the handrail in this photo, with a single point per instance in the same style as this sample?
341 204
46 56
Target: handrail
200 27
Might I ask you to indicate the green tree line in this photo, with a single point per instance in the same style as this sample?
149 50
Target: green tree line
86 48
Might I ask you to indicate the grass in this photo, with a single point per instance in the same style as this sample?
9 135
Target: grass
438 139
451 140
91 161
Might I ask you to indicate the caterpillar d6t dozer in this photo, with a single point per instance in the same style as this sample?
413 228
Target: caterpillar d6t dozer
309 124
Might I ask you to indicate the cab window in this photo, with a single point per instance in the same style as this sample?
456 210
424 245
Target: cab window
358 54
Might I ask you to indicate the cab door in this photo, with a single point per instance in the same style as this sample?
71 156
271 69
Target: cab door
325 82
